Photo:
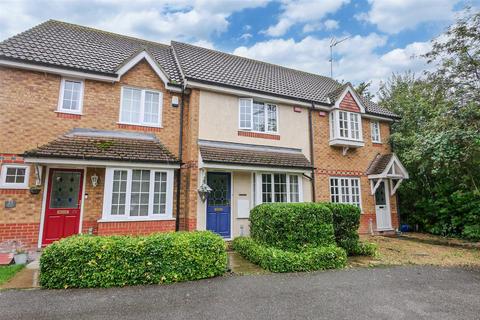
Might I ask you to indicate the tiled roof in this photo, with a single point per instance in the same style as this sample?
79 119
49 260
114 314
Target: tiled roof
64 45
253 155
60 44
379 163
87 144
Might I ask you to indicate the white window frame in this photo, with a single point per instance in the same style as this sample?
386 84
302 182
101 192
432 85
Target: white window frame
3 177
258 186
350 190
375 131
142 107
250 127
62 92
335 125
107 202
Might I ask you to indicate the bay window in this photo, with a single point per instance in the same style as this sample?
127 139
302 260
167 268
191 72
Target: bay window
258 116
278 187
345 126
141 107
345 190
138 194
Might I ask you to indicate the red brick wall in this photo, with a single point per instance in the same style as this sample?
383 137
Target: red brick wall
25 234
329 161
135 228
348 103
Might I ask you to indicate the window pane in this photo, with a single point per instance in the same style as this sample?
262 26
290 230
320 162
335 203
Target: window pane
245 114
375 131
334 196
355 199
71 95
119 192
15 175
294 191
65 189
140 193
160 193
266 188
131 107
258 116
280 187
354 126
344 190
272 118
151 107
343 124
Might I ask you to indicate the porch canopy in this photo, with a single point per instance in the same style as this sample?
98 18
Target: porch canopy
239 156
388 168
91 147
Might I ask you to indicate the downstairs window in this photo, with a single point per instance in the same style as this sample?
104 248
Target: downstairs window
345 190
138 194
278 187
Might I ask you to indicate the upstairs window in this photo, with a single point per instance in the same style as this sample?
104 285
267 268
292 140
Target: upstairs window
375 127
14 176
71 96
141 107
345 125
258 116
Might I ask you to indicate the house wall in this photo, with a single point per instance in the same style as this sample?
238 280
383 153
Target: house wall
219 122
329 162
29 101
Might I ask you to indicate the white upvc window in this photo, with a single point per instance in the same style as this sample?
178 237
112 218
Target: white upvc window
345 125
141 107
138 194
258 116
71 96
375 131
345 190
278 187
14 176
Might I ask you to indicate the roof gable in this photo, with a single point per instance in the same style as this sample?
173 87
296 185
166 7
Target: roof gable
134 60
348 99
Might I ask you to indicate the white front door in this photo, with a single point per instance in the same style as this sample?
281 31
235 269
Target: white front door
382 208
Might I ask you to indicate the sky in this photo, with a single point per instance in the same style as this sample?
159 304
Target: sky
383 36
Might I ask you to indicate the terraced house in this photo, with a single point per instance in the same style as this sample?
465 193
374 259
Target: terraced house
107 134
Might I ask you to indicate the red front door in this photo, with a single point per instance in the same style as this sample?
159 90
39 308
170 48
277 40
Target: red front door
62 208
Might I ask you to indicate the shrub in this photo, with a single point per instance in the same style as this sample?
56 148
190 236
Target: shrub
346 220
92 261
292 226
278 260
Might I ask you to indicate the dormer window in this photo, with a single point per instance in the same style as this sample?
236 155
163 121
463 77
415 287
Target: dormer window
345 125
258 116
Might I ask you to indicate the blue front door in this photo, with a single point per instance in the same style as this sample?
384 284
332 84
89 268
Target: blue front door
218 203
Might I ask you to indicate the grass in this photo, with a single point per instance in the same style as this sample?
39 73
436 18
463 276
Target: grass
411 251
7 272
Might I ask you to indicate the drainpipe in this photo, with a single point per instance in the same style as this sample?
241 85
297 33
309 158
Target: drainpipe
180 158
312 153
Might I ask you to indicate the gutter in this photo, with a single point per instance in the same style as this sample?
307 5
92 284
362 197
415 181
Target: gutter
312 153
180 158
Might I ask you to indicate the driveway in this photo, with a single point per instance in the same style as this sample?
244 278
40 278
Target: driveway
381 293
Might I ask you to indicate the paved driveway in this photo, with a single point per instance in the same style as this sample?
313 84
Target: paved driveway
382 293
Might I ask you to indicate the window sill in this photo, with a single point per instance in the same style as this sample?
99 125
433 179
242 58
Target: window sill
346 143
262 135
377 143
7 187
138 127
145 219
69 112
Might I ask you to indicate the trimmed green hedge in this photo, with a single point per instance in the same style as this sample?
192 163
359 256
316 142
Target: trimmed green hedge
278 260
292 226
346 221
93 261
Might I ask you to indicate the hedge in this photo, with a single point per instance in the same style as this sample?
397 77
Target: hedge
278 260
93 261
292 226
346 220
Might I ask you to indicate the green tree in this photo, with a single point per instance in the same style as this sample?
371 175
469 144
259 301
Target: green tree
363 89
438 136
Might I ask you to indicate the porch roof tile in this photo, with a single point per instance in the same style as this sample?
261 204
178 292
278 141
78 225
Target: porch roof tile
96 145
379 163
252 157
